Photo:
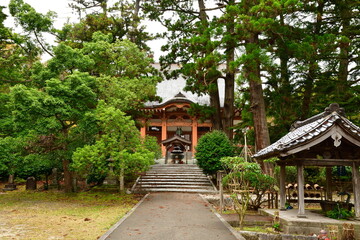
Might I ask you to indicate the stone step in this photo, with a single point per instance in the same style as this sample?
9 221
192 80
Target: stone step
184 180
179 190
175 174
171 186
174 183
174 177
175 168
175 165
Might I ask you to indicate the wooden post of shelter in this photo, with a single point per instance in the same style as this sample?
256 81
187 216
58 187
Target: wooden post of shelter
282 187
328 194
301 201
356 189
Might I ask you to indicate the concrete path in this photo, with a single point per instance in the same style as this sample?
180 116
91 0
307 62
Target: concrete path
172 216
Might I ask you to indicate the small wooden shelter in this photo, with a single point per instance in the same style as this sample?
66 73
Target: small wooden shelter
327 139
176 140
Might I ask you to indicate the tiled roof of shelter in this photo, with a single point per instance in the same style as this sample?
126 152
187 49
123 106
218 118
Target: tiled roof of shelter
311 129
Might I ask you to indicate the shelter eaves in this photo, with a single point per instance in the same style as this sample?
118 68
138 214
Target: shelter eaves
303 135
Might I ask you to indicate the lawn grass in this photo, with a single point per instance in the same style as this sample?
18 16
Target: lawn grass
56 215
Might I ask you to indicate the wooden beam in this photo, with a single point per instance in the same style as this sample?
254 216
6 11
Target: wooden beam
179 124
317 162
154 124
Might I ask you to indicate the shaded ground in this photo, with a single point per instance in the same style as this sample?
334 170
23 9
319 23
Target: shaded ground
55 215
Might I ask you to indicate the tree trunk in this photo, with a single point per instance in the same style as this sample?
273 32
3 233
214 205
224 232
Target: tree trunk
346 15
215 103
284 88
252 73
310 78
213 93
11 179
121 179
308 90
229 104
229 78
68 181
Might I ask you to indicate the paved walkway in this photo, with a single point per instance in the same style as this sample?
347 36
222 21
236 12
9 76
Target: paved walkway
172 216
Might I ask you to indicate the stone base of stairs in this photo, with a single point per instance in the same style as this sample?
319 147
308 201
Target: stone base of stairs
187 178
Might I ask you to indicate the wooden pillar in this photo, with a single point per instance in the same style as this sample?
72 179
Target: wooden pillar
282 188
163 135
166 154
143 128
301 201
356 189
143 131
194 134
328 194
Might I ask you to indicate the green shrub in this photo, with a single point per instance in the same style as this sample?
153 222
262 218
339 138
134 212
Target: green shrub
290 174
150 143
246 176
339 213
211 148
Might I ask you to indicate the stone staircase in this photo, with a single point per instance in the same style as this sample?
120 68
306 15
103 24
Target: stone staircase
174 178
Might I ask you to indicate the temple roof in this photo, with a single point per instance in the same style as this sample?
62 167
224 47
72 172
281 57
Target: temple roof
178 98
331 123
167 89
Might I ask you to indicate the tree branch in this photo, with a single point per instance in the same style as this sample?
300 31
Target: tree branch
42 46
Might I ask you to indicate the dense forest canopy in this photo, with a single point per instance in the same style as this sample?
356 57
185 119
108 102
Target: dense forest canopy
281 61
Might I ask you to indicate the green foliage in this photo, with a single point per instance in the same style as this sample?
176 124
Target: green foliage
28 18
119 145
151 144
33 23
246 176
122 19
11 156
123 70
340 213
37 165
69 59
290 174
200 111
210 149
315 175
56 109
276 226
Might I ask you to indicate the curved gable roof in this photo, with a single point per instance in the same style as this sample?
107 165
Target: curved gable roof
176 139
178 98
332 123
